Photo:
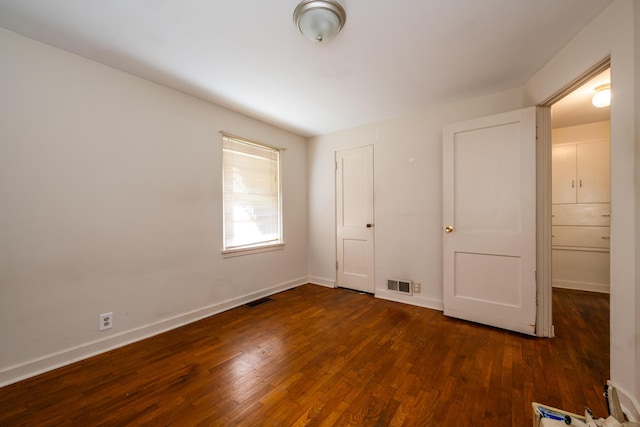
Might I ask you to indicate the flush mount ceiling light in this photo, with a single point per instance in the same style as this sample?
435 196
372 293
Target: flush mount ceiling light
319 20
602 97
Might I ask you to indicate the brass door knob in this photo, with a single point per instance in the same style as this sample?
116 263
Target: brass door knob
448 229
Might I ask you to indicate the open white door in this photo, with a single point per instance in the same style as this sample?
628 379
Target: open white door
489 203
354 219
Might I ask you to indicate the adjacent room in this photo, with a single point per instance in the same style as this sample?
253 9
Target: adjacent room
311 212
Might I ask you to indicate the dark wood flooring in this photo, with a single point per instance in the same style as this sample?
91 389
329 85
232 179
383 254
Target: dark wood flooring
319 356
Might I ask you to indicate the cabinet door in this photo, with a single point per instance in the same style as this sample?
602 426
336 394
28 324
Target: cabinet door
563 174
593 172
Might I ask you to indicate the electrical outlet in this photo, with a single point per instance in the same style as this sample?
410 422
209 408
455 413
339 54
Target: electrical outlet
416 287
106 321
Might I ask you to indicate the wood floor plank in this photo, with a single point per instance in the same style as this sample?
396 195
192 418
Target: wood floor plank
321 357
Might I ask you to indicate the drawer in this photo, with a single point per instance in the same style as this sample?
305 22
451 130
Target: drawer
580 236
581 214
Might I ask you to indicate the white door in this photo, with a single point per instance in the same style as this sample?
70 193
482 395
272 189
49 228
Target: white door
354 218
489 232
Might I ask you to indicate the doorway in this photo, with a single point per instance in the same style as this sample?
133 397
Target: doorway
580 191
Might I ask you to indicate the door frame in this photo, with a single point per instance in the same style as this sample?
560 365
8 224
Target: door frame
544 317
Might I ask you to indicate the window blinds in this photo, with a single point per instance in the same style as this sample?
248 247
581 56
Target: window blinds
251 194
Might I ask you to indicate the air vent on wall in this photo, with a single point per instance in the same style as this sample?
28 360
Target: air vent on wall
400 286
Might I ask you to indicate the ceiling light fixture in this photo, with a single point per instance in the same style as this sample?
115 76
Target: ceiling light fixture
319 20
602 97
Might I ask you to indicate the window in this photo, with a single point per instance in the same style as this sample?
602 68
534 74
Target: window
251 195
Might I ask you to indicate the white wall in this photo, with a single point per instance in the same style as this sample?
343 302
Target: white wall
612 33
110 193
407 195
581 133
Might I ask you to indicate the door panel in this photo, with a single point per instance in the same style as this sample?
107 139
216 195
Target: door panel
478 278
356 210
489 217
355 257
476 192
354 217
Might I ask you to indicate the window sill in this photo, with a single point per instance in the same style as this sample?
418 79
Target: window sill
229 253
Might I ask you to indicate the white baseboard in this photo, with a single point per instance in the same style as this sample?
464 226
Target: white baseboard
329 283
53 361
411 299
630 405
581 286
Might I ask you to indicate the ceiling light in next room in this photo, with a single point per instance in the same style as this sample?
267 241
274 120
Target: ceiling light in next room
602 97
319 20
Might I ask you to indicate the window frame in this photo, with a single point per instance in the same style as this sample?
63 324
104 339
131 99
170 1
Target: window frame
253 247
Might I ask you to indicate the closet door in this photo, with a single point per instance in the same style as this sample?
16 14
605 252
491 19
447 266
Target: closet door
593 177
563 174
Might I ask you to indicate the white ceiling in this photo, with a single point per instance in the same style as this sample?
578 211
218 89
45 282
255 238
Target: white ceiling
391 58
577 109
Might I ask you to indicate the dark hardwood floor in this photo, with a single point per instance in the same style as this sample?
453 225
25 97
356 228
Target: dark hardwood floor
319 356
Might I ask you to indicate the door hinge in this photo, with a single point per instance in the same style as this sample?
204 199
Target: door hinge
336 165
337 266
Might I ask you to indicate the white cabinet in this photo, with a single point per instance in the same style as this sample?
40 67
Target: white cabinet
580 216
581 173
580 226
